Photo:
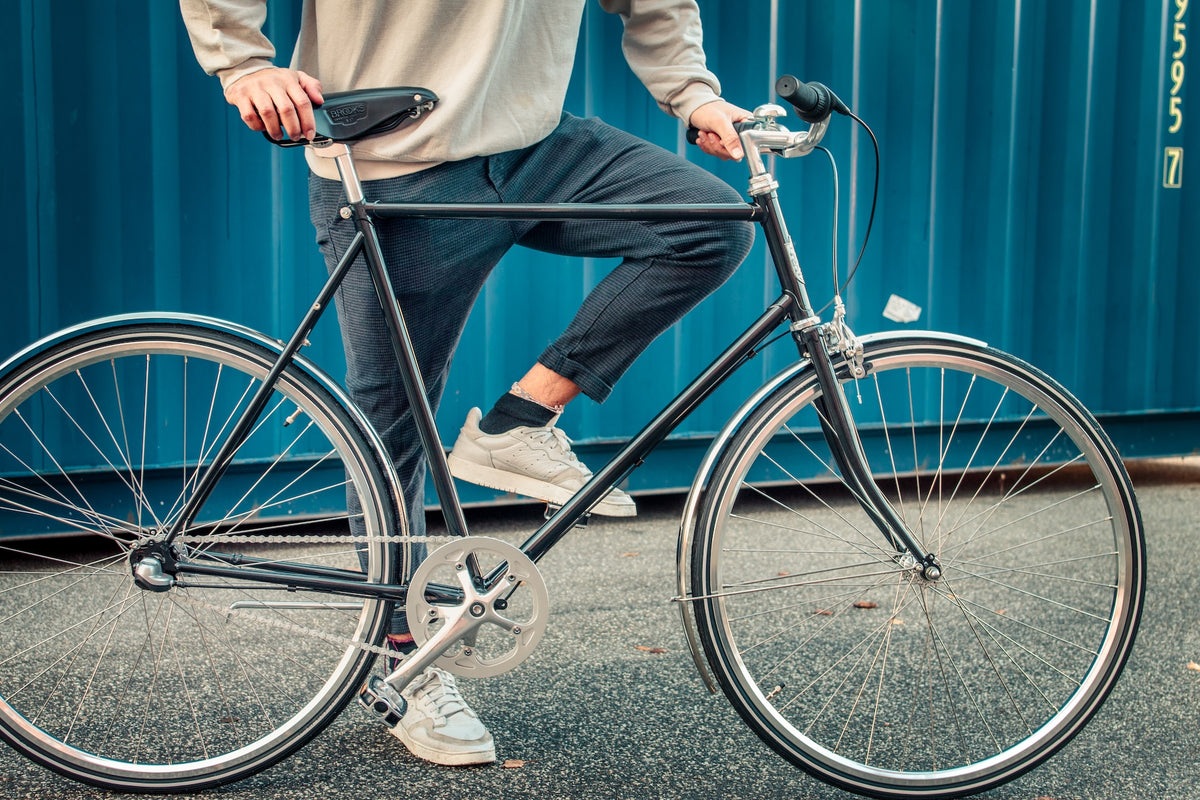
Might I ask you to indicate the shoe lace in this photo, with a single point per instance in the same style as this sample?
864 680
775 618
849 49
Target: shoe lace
442 692
559 442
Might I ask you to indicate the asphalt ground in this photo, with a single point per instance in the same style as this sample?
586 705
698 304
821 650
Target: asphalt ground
610 705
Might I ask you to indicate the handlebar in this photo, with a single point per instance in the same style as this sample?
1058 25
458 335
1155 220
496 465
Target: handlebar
693 134
813 101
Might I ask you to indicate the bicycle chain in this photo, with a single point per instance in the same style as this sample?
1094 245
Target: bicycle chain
273 620
299 538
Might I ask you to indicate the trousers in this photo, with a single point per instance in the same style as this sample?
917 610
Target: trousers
437 267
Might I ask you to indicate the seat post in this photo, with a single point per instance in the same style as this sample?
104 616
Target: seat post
340 153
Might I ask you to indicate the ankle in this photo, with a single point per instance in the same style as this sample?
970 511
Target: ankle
515 410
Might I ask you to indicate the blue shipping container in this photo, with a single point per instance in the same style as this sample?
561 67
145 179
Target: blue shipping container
1034 193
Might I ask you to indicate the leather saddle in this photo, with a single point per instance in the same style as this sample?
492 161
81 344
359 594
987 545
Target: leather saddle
354 115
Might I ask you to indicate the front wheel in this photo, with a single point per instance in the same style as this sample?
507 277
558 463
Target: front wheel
850 661
104 434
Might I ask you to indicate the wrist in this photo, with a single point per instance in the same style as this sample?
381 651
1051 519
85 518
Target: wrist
694 95
231 75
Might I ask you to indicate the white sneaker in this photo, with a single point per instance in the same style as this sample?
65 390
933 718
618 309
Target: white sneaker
439 726
535 462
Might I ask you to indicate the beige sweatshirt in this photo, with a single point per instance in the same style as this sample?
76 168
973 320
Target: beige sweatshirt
499 67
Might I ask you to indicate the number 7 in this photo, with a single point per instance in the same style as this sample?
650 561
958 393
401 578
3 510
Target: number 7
1173 168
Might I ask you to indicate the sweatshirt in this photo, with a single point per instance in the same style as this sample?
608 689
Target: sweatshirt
500 68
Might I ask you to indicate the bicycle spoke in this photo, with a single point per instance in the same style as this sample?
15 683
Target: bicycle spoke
136 486
112 681
853 658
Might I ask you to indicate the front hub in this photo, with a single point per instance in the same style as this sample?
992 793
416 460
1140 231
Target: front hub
927 571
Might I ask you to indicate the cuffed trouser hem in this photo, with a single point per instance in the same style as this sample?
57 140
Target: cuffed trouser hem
589 382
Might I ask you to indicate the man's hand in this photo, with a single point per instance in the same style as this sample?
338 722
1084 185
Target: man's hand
715 122
277 101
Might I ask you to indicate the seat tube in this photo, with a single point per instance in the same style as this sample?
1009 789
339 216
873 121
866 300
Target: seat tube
406 357
410 374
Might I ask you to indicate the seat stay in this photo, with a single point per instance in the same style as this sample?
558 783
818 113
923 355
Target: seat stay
242 429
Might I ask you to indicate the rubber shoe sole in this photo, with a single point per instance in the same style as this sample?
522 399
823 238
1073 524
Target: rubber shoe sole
459 757
505 481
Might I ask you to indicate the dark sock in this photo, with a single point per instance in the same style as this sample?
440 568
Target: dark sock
399 643
511 412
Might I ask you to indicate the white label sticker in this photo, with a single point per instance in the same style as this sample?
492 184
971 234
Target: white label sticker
900 310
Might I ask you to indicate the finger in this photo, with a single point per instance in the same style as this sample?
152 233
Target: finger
311 86
303 107
285 108
713 145
264 105
249 115
730 141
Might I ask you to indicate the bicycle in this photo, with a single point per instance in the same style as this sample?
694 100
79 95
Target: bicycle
953 631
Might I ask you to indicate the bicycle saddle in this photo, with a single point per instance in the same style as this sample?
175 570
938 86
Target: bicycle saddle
350 116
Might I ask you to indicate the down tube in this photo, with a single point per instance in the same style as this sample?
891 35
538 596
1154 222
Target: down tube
741 350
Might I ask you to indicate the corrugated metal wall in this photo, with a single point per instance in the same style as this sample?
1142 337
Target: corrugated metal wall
1022 197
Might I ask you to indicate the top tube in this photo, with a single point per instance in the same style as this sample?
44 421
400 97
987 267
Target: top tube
567 211
762 136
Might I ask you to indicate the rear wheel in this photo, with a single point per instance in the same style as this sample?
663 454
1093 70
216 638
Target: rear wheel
849 661
101 440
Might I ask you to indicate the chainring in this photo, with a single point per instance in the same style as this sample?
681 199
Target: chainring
507 615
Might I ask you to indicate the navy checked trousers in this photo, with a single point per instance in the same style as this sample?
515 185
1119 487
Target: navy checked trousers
438 267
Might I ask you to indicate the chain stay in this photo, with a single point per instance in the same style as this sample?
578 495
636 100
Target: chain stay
273 620
268 538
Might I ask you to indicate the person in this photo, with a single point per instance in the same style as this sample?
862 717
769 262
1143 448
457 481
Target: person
499 133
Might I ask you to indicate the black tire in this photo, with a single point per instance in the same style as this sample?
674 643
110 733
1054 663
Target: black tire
835 649
213 679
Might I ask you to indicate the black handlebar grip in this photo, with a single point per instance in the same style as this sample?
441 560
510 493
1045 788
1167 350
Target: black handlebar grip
693 134
813 101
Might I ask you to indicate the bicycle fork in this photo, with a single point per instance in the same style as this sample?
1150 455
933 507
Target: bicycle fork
841 434
821 342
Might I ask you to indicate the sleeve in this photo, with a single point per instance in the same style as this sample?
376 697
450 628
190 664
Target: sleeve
664 46
227 36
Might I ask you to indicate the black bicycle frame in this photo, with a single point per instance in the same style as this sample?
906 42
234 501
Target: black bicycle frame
791 306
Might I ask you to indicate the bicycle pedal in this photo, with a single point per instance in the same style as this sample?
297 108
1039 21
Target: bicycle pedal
383 701
552 509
